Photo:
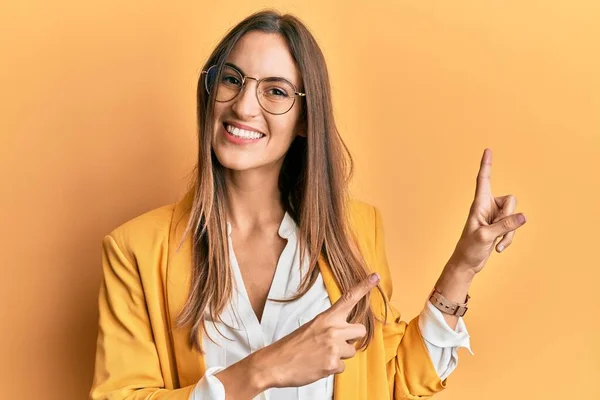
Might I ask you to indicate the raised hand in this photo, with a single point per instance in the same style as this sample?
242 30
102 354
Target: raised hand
317 349
489 218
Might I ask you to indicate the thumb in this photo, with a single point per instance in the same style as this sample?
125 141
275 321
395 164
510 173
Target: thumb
507 224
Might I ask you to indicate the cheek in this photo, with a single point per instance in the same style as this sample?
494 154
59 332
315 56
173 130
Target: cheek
217 118
284 128
218 112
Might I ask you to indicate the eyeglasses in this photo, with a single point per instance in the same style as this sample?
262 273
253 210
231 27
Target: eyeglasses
275 95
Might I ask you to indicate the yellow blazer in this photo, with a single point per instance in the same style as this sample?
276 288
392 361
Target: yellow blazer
140 354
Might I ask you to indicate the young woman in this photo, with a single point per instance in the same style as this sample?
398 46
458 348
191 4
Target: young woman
259 282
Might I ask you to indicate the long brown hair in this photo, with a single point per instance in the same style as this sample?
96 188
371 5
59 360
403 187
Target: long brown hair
313 184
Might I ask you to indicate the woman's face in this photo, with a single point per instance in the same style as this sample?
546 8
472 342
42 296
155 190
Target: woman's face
265 137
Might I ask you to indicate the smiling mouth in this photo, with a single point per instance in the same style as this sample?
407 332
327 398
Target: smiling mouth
242 133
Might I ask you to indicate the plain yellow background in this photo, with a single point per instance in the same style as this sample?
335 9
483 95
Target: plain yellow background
98 125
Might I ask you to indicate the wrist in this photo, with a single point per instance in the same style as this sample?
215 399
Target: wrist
458 271
455 281
245 379
260 374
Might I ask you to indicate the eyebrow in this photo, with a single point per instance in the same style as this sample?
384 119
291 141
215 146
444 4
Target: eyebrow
232 65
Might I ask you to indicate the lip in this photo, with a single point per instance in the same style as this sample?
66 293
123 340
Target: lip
242 126
236 140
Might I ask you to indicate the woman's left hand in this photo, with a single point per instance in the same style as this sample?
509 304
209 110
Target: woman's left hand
489 218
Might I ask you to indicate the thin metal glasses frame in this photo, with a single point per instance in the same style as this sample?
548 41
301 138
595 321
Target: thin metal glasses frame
258 81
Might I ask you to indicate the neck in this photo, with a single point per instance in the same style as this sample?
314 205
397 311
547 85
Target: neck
253 200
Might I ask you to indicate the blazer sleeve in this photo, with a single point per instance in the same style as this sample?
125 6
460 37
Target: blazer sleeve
127 364
411 373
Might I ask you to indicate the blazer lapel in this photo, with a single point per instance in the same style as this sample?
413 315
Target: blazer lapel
344 382
189 362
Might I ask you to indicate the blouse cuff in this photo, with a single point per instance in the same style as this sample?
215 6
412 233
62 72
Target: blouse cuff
437 332
209 387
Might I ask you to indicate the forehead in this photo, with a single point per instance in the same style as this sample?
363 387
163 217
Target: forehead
260 55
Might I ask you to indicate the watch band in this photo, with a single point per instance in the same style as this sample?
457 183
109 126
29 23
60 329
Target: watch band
446 306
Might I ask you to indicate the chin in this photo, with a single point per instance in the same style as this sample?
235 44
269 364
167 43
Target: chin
236 162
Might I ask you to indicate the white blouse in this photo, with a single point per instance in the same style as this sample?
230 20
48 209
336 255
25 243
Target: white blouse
247 334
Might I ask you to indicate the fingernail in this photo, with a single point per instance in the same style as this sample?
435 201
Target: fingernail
500 248
374 277
521 218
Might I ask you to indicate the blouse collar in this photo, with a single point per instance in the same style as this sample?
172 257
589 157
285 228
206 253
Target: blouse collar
286 228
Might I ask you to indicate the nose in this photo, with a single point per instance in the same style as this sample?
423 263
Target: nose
245 104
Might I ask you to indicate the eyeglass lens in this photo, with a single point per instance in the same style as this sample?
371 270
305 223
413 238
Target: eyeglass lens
275 95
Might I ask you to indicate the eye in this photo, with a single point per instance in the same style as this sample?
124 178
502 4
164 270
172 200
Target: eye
278 92
231 80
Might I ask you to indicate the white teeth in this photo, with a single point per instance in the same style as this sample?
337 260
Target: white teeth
242 133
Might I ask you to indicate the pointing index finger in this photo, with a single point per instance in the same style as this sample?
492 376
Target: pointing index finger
483 177
349 299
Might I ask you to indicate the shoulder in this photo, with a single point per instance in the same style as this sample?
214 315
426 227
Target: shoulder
364 217
367 228
153 221
364 222
141 234
361 213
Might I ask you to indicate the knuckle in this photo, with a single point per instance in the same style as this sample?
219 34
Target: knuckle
331 365
481 236
347 297
341 367
331 348
320 319
330 334
351 351
508 223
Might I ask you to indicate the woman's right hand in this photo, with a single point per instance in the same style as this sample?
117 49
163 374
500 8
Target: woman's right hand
317 348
